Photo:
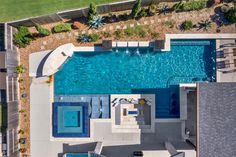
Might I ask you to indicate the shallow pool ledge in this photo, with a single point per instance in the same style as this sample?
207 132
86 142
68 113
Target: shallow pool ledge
169 37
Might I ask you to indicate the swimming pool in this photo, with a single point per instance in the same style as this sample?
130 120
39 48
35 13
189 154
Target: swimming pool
77 155
137 70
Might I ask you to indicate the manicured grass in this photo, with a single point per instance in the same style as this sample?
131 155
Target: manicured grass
18 9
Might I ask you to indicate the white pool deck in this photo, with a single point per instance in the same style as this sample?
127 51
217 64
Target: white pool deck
42 143
41 98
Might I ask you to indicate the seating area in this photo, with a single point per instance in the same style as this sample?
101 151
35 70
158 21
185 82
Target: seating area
226 59
99 106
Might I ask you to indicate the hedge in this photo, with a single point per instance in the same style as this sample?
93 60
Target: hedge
187 25
42 31
23 37
62 27
190 5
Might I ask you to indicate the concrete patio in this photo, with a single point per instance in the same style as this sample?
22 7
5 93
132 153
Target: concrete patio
42 140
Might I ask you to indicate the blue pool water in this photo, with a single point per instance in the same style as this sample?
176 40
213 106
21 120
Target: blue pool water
77 155
132 70
70 119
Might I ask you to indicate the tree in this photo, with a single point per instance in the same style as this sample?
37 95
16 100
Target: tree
136 8
231 15
92 11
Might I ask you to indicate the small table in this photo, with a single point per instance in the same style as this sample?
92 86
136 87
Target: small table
132 112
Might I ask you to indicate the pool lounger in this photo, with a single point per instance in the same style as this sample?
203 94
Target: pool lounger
105 107
234 51
95 107
223 64
118 101
222 54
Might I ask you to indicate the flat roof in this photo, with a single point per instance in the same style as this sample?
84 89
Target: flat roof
216 135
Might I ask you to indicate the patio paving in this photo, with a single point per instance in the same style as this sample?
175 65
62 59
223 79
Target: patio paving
43 144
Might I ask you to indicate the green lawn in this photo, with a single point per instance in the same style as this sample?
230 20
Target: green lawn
18 9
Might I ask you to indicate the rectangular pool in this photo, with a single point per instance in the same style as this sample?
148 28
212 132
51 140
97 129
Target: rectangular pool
139 70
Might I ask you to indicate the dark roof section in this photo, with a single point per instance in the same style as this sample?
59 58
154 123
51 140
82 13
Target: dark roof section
216 119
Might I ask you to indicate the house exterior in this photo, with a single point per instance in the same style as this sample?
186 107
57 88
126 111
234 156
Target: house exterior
216 119
9 97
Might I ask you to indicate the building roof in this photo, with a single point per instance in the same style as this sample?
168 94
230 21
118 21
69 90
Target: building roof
216 135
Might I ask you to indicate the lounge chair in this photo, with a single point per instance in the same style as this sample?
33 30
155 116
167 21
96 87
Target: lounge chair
223 64
222 54
234 51
105 107
229 71
118 101
95 107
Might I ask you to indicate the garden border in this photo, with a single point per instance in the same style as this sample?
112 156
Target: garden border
80 12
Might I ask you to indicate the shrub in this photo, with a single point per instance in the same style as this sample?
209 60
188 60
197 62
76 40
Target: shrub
205 25
190 5
96 22
136 8
62 27
164 9
92 11
42 31
231 15
76 25
152 8
106 34
118 33
155 35
178 6
23 37
129 31
169 24
142 13
94 37
135 31
89 37
20 69
140 31
187 25
84 38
